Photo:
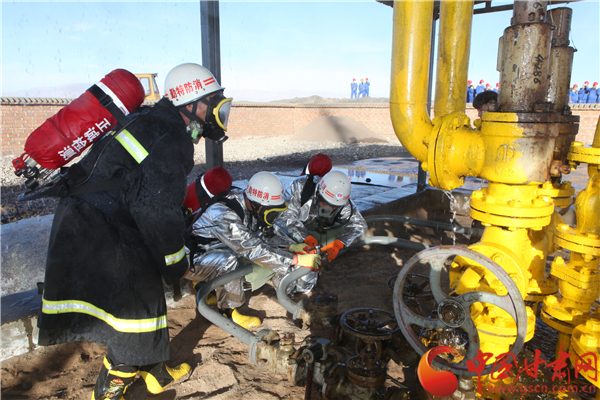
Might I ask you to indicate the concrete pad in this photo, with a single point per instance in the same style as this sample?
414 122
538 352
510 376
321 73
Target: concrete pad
18 337
24 246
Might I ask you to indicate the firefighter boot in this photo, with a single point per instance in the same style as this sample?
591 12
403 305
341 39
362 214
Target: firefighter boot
194 287
113 381
211 299
245 321
159 376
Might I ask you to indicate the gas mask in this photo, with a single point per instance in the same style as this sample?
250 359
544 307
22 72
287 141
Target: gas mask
266 215
326 213
270 215
217 116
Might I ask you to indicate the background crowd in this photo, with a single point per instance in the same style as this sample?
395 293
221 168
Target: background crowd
362 87
473 91
583 95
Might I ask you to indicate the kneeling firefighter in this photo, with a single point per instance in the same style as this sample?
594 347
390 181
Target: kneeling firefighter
320 217
121 233
238 230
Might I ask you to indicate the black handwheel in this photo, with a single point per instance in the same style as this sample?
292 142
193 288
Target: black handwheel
369 323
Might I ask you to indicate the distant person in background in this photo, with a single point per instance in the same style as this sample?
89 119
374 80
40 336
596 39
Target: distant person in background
593 94
353 87
470 92
496 88
361 88
488 86
583 92
367 84
482 99
574 94
480 88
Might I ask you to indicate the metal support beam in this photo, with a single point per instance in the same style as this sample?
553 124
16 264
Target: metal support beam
211 59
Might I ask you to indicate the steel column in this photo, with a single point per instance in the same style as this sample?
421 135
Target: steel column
211 59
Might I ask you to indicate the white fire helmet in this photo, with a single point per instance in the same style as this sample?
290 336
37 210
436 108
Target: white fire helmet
265 189
334 188
189 82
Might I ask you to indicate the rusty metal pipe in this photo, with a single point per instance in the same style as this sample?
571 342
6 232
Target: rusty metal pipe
561 58
454 44
309 380
525 58
411 46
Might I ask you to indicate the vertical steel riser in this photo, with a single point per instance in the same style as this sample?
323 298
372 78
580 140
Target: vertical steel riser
525 67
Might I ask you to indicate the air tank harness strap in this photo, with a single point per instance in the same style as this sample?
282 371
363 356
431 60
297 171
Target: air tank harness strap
124 137
309 190
107 102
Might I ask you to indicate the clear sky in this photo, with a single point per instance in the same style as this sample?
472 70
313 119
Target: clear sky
269 50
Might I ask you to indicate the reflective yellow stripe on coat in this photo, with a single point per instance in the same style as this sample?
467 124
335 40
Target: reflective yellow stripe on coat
119 324
175 257
133 147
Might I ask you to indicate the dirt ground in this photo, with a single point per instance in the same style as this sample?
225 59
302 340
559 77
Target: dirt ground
221 365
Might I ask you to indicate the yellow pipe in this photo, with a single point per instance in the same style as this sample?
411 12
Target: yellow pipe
411 46
594 169
562 344
587 202
454 45
596 141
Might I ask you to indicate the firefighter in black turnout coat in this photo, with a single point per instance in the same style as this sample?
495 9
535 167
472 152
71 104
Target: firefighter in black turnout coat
110 250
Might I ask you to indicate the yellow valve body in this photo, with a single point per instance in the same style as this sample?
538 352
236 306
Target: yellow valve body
584 348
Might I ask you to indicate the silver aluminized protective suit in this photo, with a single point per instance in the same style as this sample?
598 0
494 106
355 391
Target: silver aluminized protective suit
234 241
294 221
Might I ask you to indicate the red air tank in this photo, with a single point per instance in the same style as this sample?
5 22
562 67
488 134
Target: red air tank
75 127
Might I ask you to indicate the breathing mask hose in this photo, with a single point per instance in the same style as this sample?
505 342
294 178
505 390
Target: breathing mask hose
199 128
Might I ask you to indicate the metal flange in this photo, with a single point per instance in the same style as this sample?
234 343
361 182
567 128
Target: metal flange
562 194
578 153
557 324
568 238
536 213
253 348
584 346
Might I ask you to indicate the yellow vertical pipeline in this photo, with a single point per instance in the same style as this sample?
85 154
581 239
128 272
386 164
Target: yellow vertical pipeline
596 141
588 199
595 168
411 46
454 45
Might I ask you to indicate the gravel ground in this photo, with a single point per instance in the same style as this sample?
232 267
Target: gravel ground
242 157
